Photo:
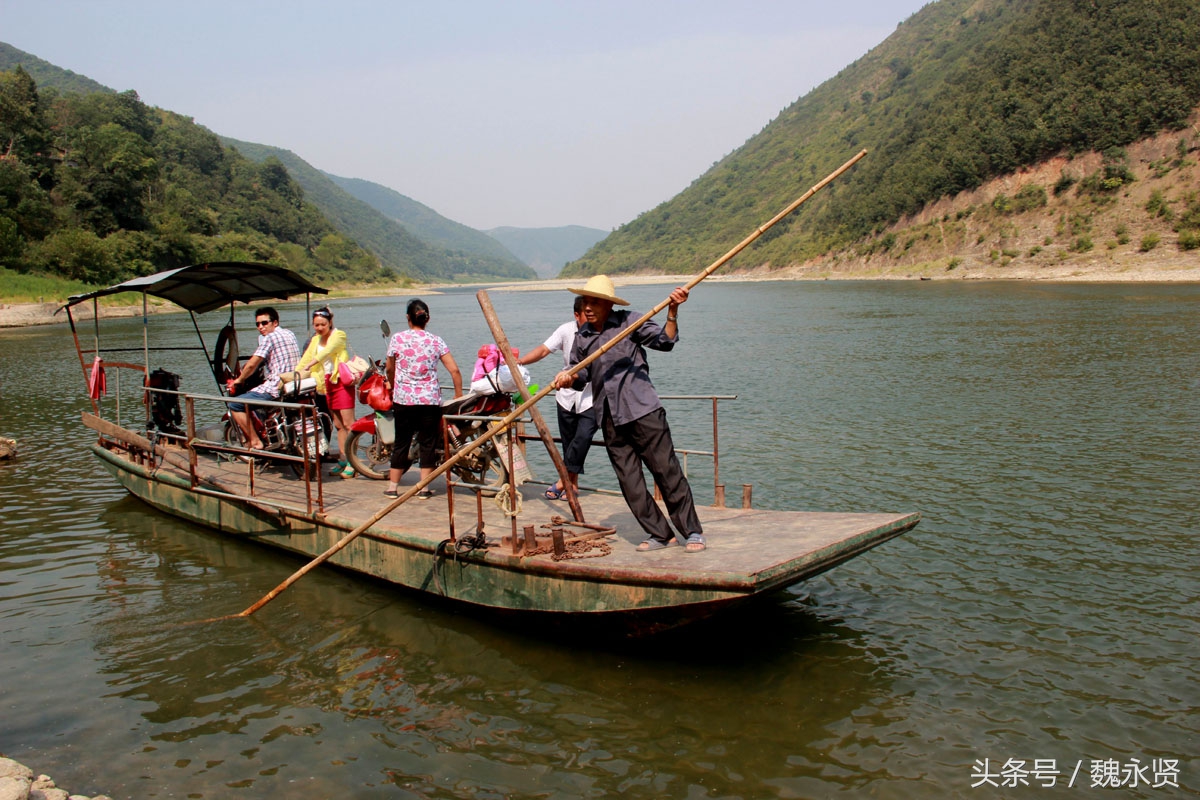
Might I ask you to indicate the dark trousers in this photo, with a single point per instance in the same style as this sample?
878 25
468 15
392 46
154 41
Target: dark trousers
576 432
426 423
648 441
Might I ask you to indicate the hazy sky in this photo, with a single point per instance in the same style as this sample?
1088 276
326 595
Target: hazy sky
527 113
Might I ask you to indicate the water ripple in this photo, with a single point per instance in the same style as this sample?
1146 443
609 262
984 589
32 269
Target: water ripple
1046 607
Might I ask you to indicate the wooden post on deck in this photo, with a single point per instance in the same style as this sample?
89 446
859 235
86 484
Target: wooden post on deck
556 538
489 313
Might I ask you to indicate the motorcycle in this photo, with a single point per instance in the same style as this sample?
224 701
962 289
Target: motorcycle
288 430
372 436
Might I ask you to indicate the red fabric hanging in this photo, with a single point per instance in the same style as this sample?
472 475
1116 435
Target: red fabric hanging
97 383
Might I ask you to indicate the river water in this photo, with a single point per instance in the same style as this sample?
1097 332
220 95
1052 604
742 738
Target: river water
1038 626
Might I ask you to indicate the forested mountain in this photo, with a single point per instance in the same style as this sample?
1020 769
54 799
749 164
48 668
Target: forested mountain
423 257
99 187
45 74
963 91
431 227
96 187
548 250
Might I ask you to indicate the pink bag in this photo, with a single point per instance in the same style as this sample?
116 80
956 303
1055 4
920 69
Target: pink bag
489 359
345 374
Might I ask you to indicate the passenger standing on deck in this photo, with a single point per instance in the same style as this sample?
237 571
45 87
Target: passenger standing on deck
277 346
576 421
323 360
411 374
629 413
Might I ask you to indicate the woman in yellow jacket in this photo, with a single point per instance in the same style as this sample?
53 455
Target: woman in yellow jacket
321 360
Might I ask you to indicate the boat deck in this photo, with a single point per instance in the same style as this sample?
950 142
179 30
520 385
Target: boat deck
744 545
751 548
750 551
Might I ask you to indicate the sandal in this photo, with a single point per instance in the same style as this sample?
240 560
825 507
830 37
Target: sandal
654 544
424 494
695 543
392 493
348 472
555 494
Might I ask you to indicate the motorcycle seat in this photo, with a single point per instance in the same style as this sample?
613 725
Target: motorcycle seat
289 387
457 404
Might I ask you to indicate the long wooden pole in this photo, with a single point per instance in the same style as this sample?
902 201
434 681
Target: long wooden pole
487 435
493 321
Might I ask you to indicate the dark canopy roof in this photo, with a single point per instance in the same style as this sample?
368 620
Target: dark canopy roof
204 287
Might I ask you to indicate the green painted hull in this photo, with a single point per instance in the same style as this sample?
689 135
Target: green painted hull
637 592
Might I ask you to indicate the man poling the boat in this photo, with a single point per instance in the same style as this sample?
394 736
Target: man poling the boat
629 413
484 438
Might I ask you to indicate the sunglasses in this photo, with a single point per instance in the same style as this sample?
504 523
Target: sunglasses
258 323
323 313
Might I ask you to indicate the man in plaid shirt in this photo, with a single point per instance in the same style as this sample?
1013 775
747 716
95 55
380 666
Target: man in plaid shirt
278 347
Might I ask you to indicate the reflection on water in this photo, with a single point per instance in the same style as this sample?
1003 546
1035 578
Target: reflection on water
417 683
1044 609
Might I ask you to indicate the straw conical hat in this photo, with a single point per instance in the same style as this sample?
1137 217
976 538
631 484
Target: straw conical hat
601 286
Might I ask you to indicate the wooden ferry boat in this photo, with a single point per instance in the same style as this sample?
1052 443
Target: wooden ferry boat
514 552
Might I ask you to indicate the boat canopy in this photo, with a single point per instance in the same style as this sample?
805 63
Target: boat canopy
204 287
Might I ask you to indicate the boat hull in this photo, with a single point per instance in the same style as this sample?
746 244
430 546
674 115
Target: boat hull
645 593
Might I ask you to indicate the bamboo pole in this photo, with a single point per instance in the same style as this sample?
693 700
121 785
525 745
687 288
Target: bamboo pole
487 435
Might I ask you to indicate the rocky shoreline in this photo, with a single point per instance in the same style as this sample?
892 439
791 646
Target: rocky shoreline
17 782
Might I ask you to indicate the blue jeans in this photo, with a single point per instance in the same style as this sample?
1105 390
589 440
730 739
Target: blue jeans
251 395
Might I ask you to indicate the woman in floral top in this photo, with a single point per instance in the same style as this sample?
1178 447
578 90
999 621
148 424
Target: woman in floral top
412 360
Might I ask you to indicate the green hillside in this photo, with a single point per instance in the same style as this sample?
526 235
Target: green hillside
548 250
96 187
99 187
417 256
962 92
431 227
45 74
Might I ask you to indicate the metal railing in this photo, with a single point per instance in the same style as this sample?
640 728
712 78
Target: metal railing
193 444
714 453
306 414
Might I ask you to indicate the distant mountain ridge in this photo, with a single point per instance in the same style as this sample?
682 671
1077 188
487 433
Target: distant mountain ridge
545 250
424 257
548 250
428 225
390 241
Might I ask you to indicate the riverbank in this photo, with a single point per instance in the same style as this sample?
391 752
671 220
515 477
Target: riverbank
1151 268
17 782
21 315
